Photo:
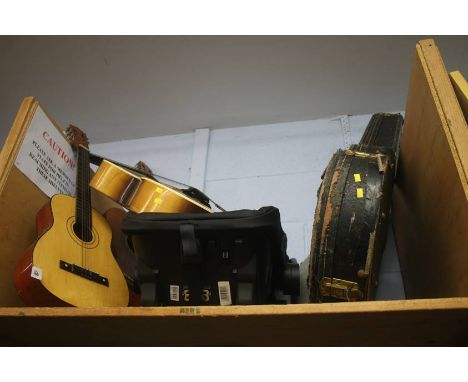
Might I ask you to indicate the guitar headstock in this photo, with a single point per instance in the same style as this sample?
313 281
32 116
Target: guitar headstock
142 166
76 137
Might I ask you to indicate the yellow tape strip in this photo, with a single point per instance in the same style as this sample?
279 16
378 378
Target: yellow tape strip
360 193
357 178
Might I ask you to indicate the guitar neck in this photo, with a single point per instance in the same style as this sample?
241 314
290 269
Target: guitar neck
83 225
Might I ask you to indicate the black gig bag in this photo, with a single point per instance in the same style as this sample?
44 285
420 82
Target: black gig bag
352 212
221 258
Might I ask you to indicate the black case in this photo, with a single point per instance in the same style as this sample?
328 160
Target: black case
222 258
351 216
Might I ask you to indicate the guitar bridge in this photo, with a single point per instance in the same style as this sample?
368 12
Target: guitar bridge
85 273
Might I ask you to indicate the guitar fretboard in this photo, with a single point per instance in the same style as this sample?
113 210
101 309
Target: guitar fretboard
83 224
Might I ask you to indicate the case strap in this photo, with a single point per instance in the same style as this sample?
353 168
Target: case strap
191 260
147 278
190 251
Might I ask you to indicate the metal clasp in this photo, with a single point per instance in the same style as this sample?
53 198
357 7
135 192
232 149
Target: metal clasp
340 289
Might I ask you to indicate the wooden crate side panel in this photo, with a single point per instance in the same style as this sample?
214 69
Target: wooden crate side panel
430 200
435 226
20 199
19 204
450 114
418 322
15 138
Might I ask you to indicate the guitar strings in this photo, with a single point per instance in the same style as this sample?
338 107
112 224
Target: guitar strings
87 205
79 196
82 202
83 207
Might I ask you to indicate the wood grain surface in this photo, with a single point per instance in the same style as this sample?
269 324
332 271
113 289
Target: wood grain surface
430 202
416 322
20 200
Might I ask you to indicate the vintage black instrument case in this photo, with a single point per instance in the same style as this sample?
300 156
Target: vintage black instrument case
222 258
352 212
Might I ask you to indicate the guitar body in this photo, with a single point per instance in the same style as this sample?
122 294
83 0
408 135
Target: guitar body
74 272
31 290
123 253
141 194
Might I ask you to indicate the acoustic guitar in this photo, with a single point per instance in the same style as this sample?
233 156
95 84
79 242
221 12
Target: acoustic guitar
71 263
140 193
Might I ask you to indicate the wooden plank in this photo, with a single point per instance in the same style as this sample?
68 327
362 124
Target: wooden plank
449 111
15 138
431 194
19 202
461 90
418 322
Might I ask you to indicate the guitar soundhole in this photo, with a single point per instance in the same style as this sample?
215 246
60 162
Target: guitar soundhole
83 233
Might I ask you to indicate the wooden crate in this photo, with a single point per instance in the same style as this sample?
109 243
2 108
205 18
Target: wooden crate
439 321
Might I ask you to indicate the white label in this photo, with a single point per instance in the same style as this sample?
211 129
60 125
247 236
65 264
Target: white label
174 292
47 158
36 273
224 293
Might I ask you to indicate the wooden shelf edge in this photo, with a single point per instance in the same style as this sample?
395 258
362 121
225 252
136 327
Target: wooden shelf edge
456 303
